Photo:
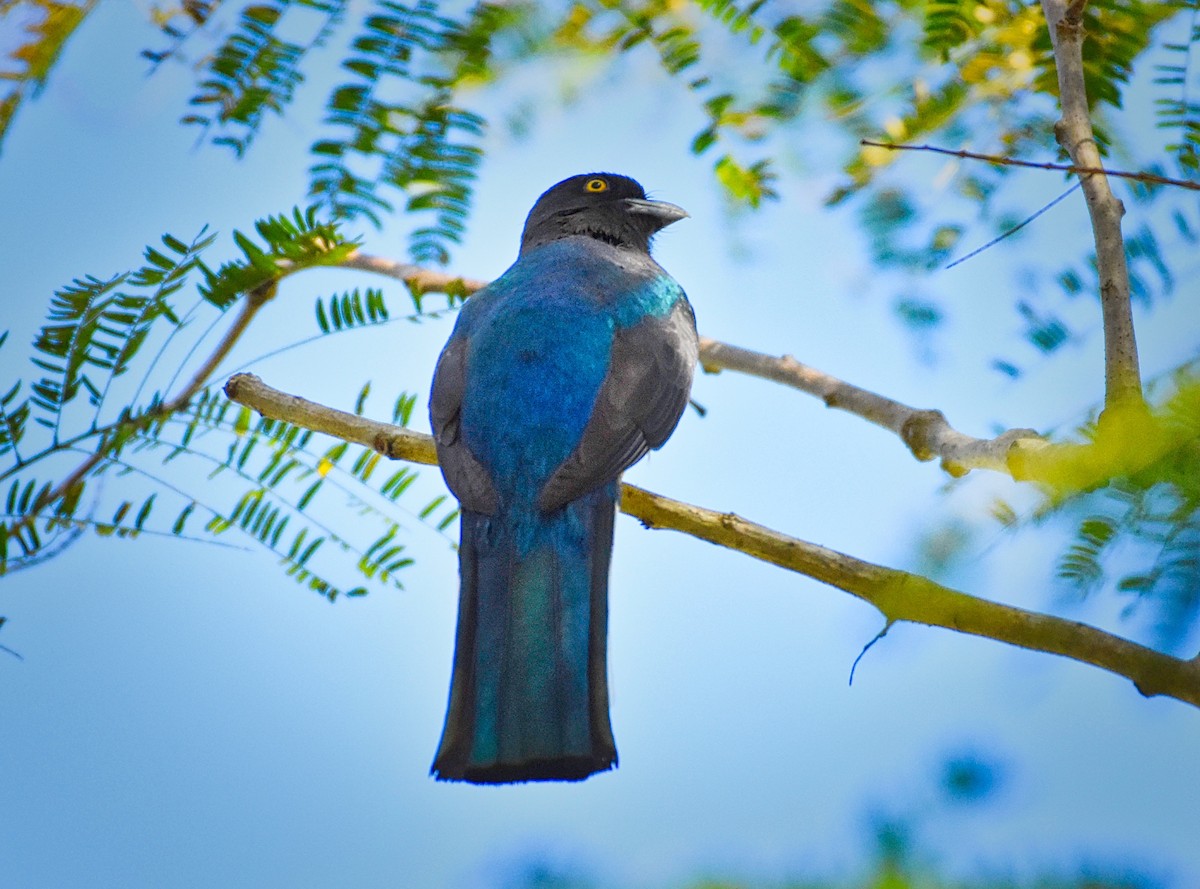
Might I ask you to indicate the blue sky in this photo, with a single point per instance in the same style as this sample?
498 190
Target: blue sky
184 715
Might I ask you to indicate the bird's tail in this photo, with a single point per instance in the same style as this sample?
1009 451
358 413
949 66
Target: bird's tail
529 693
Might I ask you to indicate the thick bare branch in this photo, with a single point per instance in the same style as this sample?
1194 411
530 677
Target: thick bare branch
926 432
392 441
898 595
1122 377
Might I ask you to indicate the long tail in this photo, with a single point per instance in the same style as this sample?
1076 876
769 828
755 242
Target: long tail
529 692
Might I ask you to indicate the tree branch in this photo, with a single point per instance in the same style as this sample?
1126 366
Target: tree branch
1002 161
926 432
1122 378
898 595
395 442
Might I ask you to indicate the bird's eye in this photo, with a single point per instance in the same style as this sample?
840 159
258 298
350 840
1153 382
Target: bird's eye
596 185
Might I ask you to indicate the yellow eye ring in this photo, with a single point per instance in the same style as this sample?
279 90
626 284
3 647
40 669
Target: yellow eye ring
596 186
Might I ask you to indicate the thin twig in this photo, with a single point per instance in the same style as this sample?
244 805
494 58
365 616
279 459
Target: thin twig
251 304
1016 228
1002 161
898 595
854 666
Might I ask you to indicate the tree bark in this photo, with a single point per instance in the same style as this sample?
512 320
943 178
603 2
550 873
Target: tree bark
1122 377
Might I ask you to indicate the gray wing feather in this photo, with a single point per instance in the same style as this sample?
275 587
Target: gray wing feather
637 408
464 474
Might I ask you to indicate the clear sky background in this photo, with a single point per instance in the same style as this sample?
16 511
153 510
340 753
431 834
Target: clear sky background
185 715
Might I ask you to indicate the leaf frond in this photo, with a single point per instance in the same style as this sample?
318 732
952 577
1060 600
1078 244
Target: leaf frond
255 71
421 145
290 243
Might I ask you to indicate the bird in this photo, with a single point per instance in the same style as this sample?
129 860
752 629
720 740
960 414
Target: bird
559 375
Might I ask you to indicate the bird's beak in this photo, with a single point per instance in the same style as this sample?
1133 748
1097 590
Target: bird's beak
660 212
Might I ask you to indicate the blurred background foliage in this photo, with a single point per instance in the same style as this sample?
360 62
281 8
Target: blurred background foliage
896 854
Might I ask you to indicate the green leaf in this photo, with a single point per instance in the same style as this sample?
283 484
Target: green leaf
244 418
402 411
180 522
144 513
256 71
746 185
423 148
398 483
432 505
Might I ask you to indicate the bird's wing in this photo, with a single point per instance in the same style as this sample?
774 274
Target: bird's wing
464 474
637 408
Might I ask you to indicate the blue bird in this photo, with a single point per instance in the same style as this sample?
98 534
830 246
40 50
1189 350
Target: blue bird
558 376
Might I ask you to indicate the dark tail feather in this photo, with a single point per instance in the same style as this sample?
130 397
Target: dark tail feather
529 693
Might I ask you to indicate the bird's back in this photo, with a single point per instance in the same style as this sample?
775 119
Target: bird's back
540 341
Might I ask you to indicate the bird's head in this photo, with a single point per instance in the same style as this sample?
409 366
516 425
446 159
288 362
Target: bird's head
605 206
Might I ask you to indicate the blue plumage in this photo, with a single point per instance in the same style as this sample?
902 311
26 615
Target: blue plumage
558 376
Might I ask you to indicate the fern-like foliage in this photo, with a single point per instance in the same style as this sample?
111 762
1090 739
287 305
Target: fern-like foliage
1179 111
353 309
177 24
94 333
676 44
285 492
677 37
65 345
396 128
420 143
1080 564
14 415
982 71
287 485
951 23
95 327
292 242
191 464
255 71
28 65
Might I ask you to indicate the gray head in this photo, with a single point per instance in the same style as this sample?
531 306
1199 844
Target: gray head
604 206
